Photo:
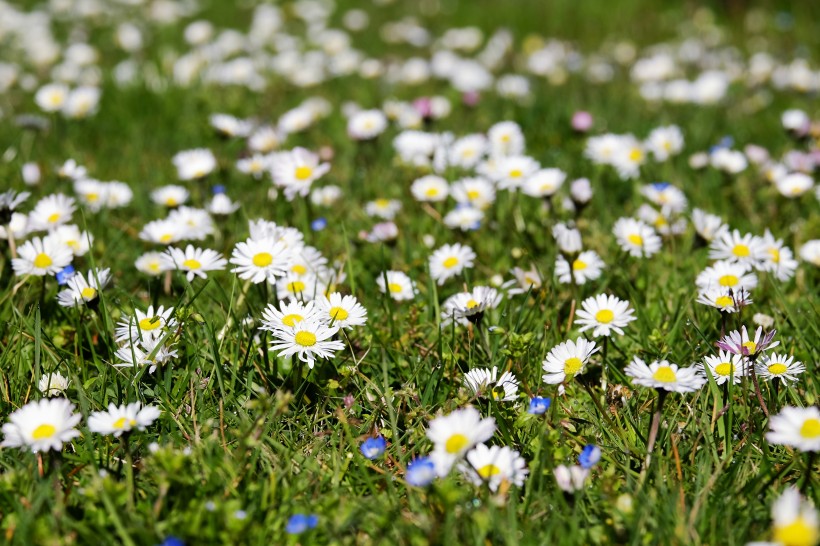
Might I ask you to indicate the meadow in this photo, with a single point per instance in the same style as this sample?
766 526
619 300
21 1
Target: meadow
387 272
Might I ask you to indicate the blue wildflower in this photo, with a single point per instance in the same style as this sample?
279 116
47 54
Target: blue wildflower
318 224
172 541
589 456
218 189
660 186
539 405
373 447
65 274
299 523
420 472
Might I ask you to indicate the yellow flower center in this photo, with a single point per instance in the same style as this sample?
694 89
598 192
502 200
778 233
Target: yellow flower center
431 192
305 339
572 365
488 470
579 265
452 261
166 238
751 346
92 196
394 287
154 266
635 239
810 428
777 368
263 259
149 323
636 154
472 303
382 203
728 280
338 313
775 254
55 99
516 173
292 319
724 301
604 316
456 443
42 261
73 244
299 269
296 286
725 369
88 293
473 195
303 173
665 374
53 218
191 264
798 533
121 422
171 202
43 432
741 251
505 138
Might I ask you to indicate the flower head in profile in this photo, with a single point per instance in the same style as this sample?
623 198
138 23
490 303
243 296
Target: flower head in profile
662 374
121 419
739 342
42 425
53 384
779 366
486 382
494 465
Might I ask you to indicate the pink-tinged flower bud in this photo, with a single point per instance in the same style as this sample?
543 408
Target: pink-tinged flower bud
582 121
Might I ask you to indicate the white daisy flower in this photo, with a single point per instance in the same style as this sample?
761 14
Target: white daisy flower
296 170
810 252
82 102
733 247
527 280
397 284
467 151
430 188
260 260
53 384
636 238
194 164
453 435
470 305
170 195
666 196
661 221
727 275
494 466
708 226
150 324
544 183
42 425
568 359
230 126
724 366
477 192
662 374
255 165
465 218
148 351
221 205
724 299
366 124
194 262
51 211
796 427
342 311
449 261
70 235
122 419
195 224
664 142
326 196
796 522
303 287
567 238
486 382
386 209
52 97
779 259
587 266
289 314
506 138
308 340
83 289
264 139
794 185
779 366
151 263
604 314
513 171
40 257
162 231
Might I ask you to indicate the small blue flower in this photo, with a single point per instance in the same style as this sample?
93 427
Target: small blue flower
539 405
589 456
373 447
65 274
420 472
660 186
318 224
218 189
172 541
299 523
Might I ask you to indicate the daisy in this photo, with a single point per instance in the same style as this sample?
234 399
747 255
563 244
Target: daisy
810 252
544 183
51 97
477 192
662 374
725 366
195 262
661 221
470 305
568 359
70 235
665 195
430 188
604 314
796 427
527 280
485 381
195 224
51 211
288 315
449 261
587 266
42 425
148 351
162 231
708 226
636 238
263 229
628 157
386 209
122 419
296 170
464 217
494 466
152 264
664 142
568 238
82 102
150 324
170 196
308 340
782 367
194 164
455 434
221 205
506 138
9 201
83 290
733 247
794 185
230 126
260 260
264 139
738 342
326 196
570 479
342 311
513 171
726 275
724 299
366 124
300 287
40 257
53 384
779 259
397 284
467 151
796 522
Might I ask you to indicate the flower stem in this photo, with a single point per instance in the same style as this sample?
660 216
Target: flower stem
653 428
757 389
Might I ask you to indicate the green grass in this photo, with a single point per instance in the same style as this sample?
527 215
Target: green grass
247 431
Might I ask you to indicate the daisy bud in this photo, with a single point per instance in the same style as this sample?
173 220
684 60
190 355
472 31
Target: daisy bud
581 191
31 174
582 121
570 479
